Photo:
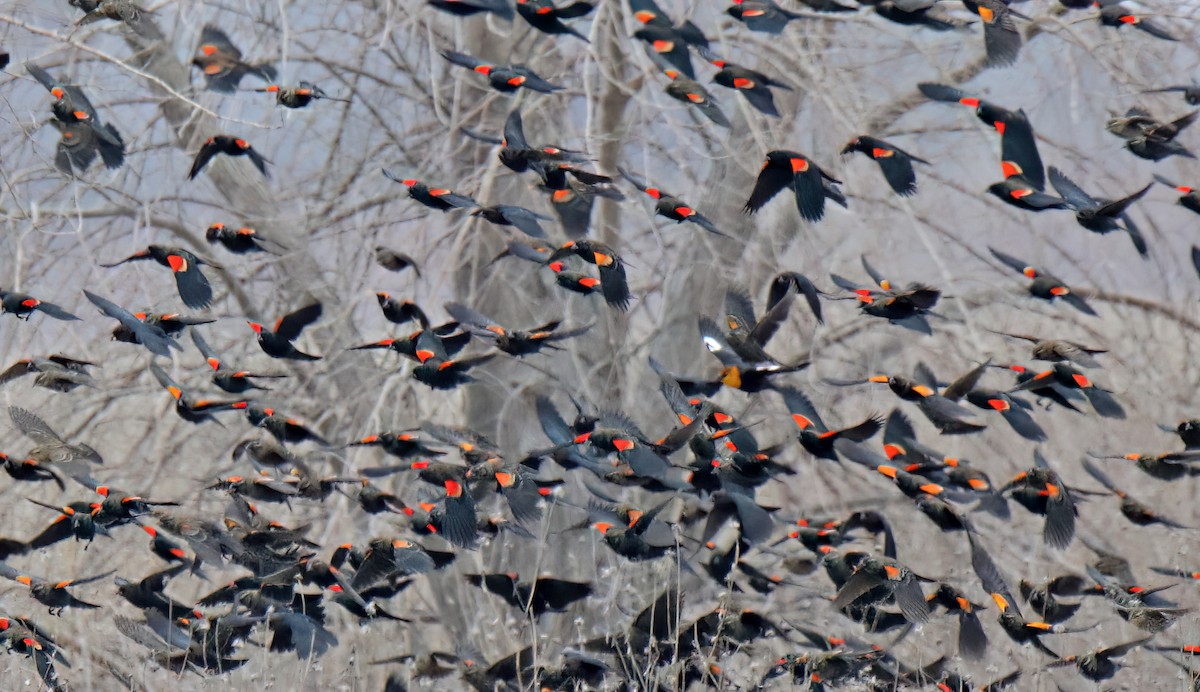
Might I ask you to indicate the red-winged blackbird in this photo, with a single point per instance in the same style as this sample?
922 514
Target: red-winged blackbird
164 547
1100 215
1114 14
52 594
1189 199
671 207
280 426
277 342
1014 411
439 198
193 287
232 381
550 162
1164 467
576 282
1041 491
451 339
437 369
632 542
543 595
1045 285
239 241
1001 37
740 348
896 164
691 92
22 305
972 640
781 288
816 437
1062 397
1022 192
230 146
907 307
222 62
762 15
544 16
1133 510
404 445
510 215
753 85
613 285
57 372
466 8
147 593
171 323
30 470
298 96
902 448
811 185
263 452
1018 146
1067 377
874 579
947 416
666 44
503 78
83 134
1191 92
513 342
189 409
754 524
913 12
401 311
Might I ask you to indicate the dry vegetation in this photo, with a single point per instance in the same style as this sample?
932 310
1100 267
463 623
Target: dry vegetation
328 204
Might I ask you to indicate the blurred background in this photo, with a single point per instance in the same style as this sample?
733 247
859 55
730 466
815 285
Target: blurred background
329 205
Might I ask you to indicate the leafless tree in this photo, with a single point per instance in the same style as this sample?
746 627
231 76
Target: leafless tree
327 205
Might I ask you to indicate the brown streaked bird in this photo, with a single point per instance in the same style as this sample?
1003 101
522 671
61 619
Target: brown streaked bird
57 372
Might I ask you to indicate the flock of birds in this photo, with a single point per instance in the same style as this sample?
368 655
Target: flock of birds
699 472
